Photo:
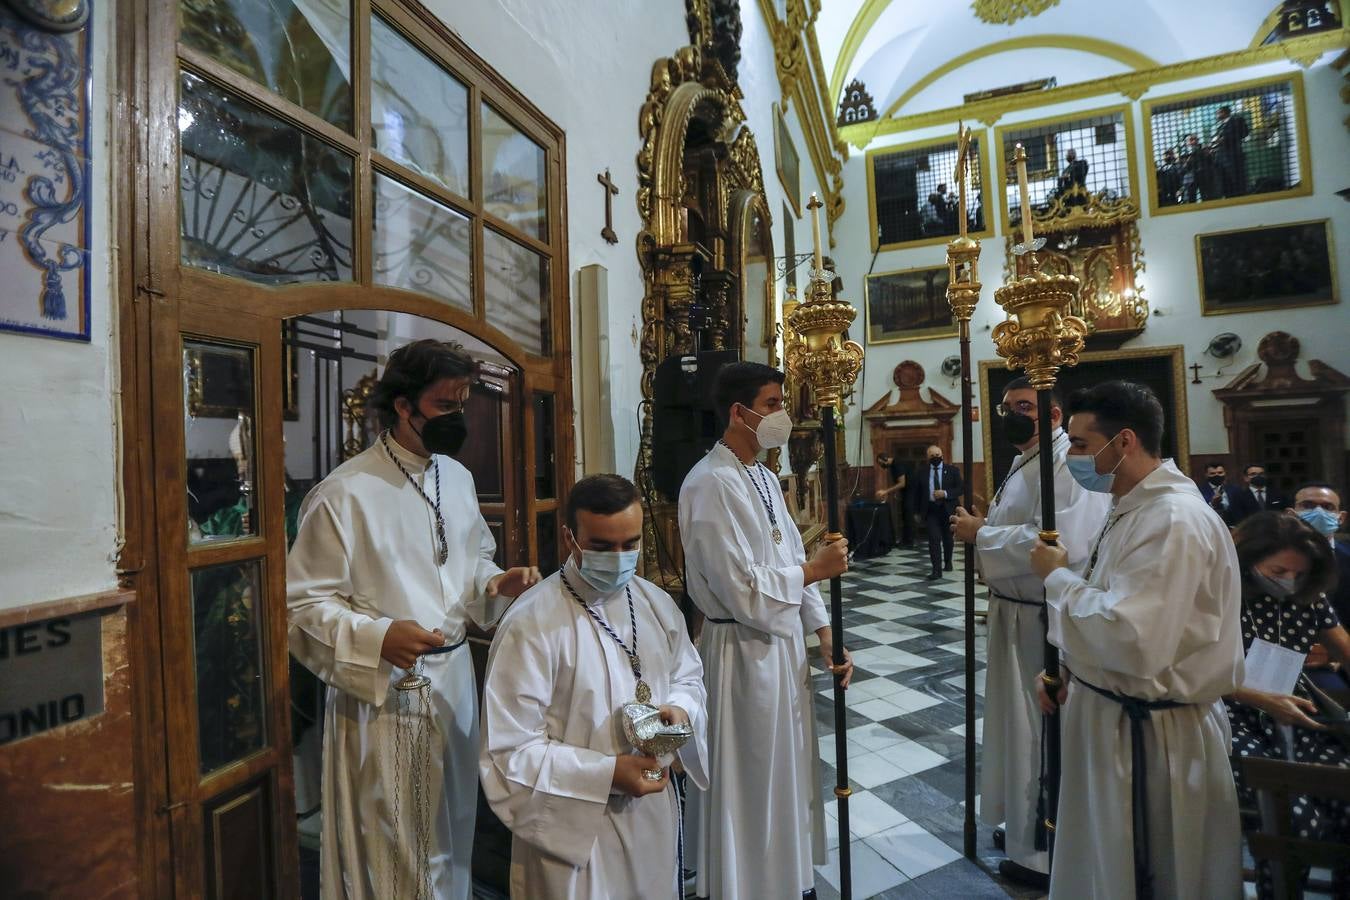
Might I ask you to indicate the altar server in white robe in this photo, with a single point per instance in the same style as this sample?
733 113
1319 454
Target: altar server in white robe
391 562
747 572
1150 632
1011 748
592 817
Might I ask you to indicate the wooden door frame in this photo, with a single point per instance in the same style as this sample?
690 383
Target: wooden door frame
152 294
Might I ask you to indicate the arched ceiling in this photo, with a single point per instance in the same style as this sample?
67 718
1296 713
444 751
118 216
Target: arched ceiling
918 55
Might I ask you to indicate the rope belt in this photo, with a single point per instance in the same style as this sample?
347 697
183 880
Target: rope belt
720 621
448 647
998 596
1138 711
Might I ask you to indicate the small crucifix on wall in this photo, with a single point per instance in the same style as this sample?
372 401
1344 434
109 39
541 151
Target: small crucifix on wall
1195 368
611 191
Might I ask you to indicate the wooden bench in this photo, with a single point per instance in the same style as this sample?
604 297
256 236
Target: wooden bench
1277 783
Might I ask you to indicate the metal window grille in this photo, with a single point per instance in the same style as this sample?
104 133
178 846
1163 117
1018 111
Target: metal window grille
916 198
1231 144
1090 152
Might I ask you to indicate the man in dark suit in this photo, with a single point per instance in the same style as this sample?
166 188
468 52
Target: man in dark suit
1256 494
1074 174
1218 493
1229 154
936 493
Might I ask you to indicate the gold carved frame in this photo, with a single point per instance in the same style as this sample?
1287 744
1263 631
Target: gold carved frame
982 161
1305 185
1000 145
690 90
945 332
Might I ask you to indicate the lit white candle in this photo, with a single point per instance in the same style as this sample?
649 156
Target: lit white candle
815 228
1020 158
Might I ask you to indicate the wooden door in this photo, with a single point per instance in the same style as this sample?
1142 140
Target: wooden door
257 194
221 525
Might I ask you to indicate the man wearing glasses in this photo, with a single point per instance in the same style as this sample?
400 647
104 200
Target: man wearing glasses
1003 541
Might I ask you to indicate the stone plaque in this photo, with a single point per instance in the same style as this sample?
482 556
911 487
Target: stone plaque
51 674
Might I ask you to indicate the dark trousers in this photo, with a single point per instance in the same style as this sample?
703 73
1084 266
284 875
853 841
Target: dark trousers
900 517
939 528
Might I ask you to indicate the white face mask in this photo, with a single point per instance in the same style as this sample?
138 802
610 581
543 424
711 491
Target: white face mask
773 430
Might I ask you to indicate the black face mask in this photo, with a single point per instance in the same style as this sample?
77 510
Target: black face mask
1018 428
1258 481
444 434
1215 480
935 461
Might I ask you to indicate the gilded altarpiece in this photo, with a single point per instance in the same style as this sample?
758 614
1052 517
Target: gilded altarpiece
1095 237
706 235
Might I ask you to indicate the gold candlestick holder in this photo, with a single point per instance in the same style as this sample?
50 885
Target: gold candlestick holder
824 360
963 294
1040 337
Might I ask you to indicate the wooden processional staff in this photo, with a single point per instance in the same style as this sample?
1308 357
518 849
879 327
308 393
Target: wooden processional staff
829 364
1040 337
963 293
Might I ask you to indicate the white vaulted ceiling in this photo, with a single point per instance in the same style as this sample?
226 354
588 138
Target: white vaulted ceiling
919 55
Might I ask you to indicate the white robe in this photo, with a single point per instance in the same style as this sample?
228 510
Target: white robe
1011 749
1158 618
552 731
760 822
365 556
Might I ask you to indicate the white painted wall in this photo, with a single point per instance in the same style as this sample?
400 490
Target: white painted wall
58 445
587 65
1170 282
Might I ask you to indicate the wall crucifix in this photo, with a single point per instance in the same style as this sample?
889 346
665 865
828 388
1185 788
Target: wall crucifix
611 191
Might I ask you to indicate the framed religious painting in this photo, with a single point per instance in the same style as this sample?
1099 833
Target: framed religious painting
44 180
912 199
1243 143
908 305
1270 267
786 160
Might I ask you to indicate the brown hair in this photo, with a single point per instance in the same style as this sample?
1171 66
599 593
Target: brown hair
1264 534
415 367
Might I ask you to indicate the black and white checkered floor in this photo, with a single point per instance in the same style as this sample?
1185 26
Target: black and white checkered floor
906 714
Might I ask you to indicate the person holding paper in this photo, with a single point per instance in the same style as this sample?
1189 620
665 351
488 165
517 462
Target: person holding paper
1287 571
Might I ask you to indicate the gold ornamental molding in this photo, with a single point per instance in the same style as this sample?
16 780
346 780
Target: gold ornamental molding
801 79
1094 46
1006 12
1303 51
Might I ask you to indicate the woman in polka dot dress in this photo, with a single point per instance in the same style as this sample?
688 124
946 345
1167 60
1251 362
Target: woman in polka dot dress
1287 572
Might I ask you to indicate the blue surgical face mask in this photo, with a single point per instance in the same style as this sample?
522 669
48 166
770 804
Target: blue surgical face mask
1278 588
1084 471
608 570
1322 521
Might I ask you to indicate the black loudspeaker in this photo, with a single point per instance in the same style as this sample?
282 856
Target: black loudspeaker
684 415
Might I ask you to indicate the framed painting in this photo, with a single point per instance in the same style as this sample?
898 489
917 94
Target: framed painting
908 305
44 180
1270 267
786 160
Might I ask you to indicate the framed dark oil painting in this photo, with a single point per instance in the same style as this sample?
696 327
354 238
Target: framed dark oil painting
908 305
1271 267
